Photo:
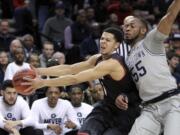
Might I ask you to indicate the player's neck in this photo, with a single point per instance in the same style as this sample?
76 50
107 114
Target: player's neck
107 56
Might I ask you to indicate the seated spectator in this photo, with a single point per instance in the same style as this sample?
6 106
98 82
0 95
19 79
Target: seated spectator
173 61
97 93
47 52
16 43
76 97
5 36
60 57
28 44
50 112
4 61
17 65
34 60
13 109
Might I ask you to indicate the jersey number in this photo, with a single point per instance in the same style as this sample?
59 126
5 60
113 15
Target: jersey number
138 71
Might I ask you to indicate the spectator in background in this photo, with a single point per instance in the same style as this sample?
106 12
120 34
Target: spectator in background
74 35
4 61
55 26
16 43
90 14
174 41
17 65
173 61
43 10
5 36
111 22
76 97
97 93
60 57
120 8
28 44
90 45
47 52
34 60
53 114
144 9
13 108
23 19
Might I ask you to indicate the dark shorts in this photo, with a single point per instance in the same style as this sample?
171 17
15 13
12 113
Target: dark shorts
106 119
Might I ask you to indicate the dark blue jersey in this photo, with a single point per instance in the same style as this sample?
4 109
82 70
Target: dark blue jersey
124 86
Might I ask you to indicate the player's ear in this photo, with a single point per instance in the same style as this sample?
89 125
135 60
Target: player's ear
143 31
117 45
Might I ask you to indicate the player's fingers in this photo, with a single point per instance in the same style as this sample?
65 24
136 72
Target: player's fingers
28 90
26 83
27 79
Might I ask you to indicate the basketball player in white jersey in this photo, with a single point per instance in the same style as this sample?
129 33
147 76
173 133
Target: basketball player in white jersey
148 65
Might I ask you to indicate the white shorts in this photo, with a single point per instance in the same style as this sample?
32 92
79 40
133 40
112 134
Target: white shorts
163 115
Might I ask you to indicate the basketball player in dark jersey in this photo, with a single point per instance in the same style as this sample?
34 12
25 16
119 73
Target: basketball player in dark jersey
117 112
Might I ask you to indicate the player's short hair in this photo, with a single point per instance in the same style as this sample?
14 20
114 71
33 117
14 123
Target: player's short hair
7 84
117 32
143 22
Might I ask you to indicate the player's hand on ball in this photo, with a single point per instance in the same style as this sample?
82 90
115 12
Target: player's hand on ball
33 84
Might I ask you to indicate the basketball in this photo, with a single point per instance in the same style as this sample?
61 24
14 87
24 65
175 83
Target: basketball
18 79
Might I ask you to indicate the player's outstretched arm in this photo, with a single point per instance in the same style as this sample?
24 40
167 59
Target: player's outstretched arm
67 69
102 69
167 21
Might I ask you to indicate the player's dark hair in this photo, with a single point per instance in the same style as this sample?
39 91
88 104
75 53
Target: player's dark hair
117 32
6 84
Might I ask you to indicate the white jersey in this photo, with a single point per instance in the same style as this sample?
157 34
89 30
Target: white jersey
83 111
44 115
12 68
19 111
148 64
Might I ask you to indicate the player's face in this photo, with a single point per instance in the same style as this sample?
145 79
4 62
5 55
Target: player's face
107 43
131 29
76 96
10 96
53 95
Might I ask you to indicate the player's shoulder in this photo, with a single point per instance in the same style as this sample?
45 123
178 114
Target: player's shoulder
40 101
